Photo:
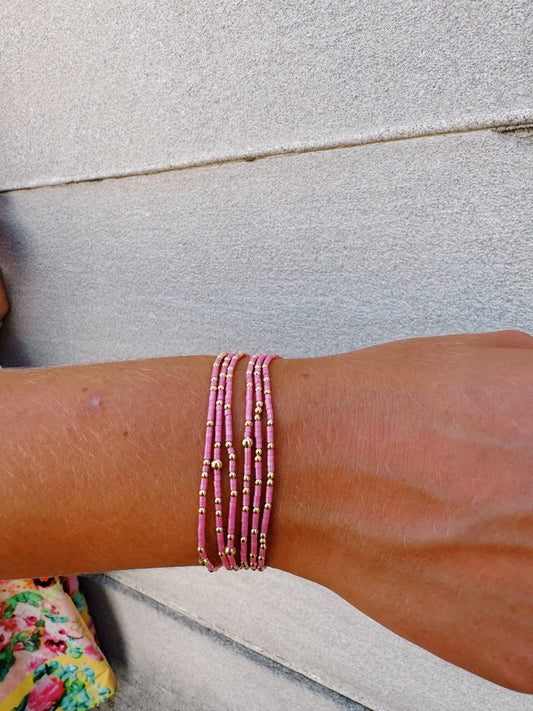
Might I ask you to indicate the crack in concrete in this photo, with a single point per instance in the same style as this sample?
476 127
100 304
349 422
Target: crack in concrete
512 123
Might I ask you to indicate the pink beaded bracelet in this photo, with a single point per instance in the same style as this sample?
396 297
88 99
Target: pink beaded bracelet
219 428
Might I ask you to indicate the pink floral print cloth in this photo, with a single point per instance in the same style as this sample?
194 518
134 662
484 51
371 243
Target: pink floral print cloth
49 657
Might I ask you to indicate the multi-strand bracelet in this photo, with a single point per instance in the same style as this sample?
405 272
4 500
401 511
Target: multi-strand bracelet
259 421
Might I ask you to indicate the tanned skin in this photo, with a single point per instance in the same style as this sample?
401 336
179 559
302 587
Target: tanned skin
404 481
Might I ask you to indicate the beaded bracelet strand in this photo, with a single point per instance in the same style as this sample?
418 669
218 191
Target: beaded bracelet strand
247 443
267 394
206 465
216 464
232 512
258 460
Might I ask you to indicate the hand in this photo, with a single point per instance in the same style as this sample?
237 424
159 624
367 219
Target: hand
416 494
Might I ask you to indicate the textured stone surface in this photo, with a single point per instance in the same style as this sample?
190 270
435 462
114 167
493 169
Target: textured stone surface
164 662
310 254
96 88
313 631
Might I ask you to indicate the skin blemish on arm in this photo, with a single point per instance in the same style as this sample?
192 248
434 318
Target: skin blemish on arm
94 403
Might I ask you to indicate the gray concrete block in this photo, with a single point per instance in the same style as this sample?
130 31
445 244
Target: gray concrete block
164 662
310 254
307 628
92 89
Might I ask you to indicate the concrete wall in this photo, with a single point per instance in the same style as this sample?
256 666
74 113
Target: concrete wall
305 177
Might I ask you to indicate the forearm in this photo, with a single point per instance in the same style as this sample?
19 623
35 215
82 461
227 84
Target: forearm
99 465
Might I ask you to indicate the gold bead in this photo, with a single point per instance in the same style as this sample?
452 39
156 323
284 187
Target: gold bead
219 402
218 513
233 493
221 553
270 445
206 462
258 482
219 529
201 511
246 490
230 551
245 509
232 475
249 385
261 557
246 478
270 482
259 405
248 423
202 492
217 445
210 423
257 417
259 451
205 475
270 421
247 442
218 500
258 458
268 506
229 444
201 550
220 387
268 392
243 539
216 464
255 510
270 475
254 531
213 387
231 537
227 406
229 375
258 389
232 456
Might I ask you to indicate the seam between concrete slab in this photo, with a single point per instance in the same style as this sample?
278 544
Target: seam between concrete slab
219 637
508 122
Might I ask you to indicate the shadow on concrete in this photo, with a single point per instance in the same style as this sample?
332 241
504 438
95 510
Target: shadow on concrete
107 628
13 260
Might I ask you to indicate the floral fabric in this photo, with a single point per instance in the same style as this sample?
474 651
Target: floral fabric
49 657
